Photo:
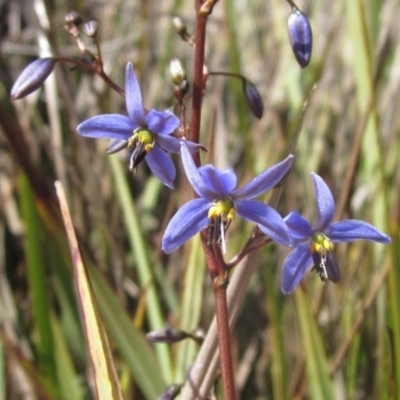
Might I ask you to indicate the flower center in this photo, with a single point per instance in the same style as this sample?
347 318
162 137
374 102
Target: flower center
320 247
139 144
220 215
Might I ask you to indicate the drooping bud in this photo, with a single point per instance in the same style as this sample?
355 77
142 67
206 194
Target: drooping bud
253 98
91 28
167 335
170 392
300 37
32 77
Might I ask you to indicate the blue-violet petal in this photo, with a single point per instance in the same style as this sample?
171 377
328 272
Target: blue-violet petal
161 122
190 219
107 126
269 221
294 267
161 166
194 176
265 181
221 182
133 98
349 230
325 203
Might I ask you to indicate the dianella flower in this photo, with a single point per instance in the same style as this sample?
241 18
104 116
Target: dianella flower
219 203
147 135
314 245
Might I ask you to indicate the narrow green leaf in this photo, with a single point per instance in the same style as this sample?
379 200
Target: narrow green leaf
191 307
143 262
319 382
35 264
132 345
106 382
68 380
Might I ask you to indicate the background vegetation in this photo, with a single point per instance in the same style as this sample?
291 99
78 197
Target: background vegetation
324 341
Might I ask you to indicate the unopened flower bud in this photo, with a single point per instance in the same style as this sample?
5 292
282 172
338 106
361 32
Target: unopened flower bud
300 37
253 98
179 26
91 28
73 18
178 74
170 392
32 77
167 335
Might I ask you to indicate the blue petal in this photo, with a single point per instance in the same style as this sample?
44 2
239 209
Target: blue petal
161 166
269 221
161 122
325 203
168 143
299 227
294 267
194 176
190 219
107 126
133 97
221 182
352 229
265 181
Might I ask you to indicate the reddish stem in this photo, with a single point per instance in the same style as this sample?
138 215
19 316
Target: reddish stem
215 262
225 356
198 82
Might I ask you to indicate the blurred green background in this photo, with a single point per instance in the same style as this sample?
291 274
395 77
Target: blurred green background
324 341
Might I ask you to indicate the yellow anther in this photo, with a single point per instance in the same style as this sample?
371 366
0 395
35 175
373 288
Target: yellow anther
141 136
222 208
321 244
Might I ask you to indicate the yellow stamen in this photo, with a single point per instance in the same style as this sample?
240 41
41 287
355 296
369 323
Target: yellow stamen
222 208
320 247
220 215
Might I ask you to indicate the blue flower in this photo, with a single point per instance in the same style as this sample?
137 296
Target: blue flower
219 202
314 245
146 135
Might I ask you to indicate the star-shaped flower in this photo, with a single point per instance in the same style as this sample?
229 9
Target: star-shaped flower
146 135
219 202
313 245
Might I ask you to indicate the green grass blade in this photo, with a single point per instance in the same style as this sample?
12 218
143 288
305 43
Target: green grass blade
35 264
68 380
132 345
104 372
319 382
143 262
191 305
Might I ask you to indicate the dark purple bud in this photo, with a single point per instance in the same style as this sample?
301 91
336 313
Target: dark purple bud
253 98
116 145
91 28
170 392
32 77
300 36
167 335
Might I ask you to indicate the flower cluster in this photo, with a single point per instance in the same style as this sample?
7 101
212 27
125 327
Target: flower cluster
149 135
